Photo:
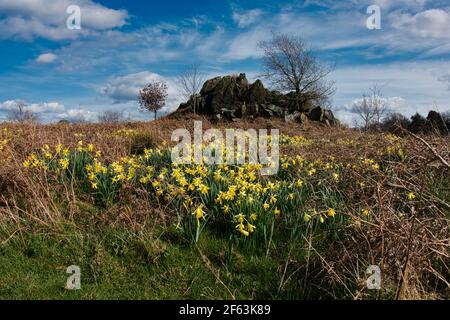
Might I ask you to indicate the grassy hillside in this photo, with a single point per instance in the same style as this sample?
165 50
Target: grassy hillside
107 199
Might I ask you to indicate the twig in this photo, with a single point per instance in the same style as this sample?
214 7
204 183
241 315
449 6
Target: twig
431 149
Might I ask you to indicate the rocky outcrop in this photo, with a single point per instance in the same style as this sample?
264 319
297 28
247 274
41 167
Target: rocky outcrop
233 97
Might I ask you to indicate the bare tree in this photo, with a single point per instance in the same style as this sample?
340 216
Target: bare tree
191 82
21 114
153 97
110 116
372 109
379 104
291 66
364 111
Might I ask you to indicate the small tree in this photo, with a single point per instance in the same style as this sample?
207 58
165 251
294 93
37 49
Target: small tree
364 111
291 66
21 114
372 109
153 97
191 82
380 105
110 116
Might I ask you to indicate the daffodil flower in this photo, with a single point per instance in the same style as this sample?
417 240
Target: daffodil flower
411 196
331 213
199 213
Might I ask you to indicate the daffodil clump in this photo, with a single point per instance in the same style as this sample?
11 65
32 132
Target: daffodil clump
129 133
233 198
295 141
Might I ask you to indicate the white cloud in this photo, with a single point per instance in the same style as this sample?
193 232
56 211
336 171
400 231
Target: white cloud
78 115
245 45
44 107
396 104
126 88
207 41
246 18
410 87
28 19
433 23
8 105
46 58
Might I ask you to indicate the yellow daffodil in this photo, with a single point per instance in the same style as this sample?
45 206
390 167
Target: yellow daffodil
273 200
336 177
199 213
411 196
331 213
204 189
251 228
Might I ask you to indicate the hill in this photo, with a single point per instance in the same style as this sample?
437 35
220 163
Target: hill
108 199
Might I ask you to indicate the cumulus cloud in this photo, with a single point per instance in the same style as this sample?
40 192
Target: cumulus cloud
78 115
44 107
28 19
433 23
410 87
46 58
126 88
46 111
345 114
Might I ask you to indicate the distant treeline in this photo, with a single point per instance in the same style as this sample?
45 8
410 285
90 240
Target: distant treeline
434 123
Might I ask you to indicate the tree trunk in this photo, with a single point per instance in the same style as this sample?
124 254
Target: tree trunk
155 114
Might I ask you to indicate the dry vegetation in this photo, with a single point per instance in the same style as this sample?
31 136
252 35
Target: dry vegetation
390 196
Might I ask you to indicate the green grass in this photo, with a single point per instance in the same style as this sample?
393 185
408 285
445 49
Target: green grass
118 264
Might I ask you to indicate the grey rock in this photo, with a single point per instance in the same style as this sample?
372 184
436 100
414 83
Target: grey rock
232 97
296 116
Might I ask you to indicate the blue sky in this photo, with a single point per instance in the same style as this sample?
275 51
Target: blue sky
68 74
